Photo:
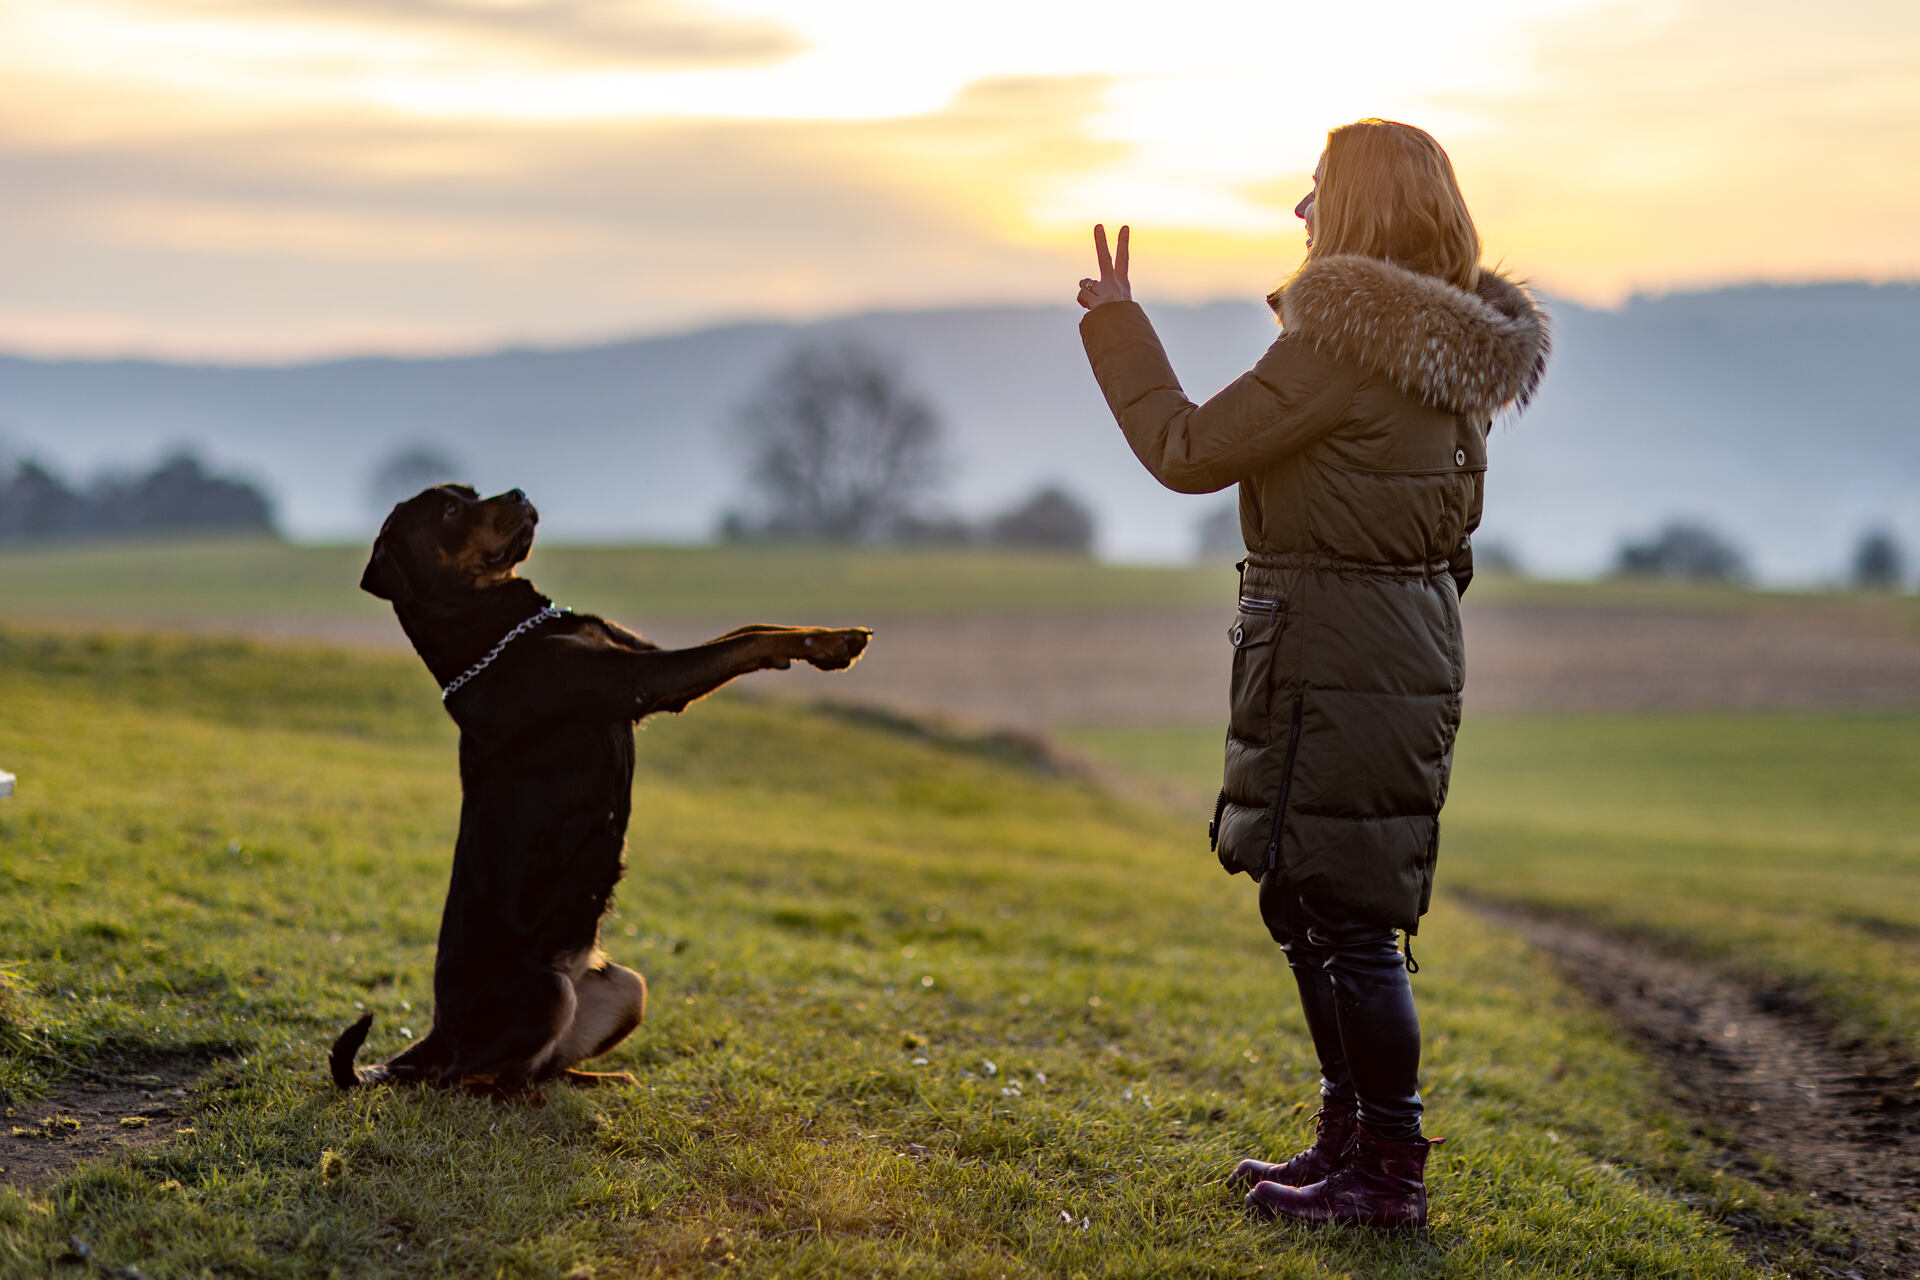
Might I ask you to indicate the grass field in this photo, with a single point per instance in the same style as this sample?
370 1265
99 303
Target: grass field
1785 848
231 582
917 1009
236 580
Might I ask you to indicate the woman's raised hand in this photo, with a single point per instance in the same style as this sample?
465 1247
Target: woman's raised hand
1112 285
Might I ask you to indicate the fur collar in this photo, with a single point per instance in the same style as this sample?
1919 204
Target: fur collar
1477 352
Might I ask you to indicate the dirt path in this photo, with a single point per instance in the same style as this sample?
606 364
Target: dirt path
89 1119
1793 1108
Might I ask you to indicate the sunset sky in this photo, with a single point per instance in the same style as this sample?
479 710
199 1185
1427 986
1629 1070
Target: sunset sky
274 178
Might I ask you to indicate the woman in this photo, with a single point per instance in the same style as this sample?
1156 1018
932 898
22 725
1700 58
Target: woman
1359 444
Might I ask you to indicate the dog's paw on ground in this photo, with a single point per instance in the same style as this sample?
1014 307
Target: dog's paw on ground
598 1079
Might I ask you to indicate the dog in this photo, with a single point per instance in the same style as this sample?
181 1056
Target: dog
546 701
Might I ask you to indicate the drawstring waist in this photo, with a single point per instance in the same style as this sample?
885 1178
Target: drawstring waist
1260 566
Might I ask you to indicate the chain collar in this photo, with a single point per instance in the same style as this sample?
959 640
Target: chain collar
452 686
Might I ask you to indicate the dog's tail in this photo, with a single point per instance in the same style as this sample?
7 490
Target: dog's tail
340 1061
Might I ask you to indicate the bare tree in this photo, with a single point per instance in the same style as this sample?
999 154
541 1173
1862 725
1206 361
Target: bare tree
1686 550
402 474
1051 519
1879 564
37 503
840 448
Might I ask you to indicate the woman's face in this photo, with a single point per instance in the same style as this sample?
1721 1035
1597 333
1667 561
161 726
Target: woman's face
1304 210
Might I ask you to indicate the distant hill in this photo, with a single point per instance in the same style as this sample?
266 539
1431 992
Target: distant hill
1785 416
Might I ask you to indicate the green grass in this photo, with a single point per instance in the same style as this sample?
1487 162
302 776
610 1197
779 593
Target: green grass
207 584
237 581
916 1011
1785 847
1690 597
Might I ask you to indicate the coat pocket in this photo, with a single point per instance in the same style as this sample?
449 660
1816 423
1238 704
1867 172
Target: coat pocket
1286 786
1255 636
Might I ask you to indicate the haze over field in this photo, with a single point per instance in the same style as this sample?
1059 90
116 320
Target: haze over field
1782 415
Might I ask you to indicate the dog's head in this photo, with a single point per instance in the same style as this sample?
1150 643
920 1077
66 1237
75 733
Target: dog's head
447 540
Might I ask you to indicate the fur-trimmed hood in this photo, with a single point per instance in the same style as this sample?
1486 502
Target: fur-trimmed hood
1478 352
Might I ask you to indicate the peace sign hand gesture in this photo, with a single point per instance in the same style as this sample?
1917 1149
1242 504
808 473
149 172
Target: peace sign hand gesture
1112 285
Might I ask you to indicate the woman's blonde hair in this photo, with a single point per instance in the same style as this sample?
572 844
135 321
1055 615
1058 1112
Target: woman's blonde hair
1387 191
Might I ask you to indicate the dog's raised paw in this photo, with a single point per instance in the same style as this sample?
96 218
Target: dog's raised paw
838 650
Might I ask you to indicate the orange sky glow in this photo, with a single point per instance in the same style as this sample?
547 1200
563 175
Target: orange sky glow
282 178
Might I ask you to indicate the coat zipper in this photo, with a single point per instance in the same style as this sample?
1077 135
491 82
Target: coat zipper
1213 827
1286 785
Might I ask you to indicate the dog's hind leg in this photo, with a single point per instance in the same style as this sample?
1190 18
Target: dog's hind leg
612 1001
423 1061
509 1038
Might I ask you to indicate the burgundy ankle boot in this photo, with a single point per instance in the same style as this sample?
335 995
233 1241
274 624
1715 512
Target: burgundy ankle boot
1379 1184
1333 1128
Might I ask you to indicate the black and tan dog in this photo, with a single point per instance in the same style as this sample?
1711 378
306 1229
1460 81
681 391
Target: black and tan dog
546 702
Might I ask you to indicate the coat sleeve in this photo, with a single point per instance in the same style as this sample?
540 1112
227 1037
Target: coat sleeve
1285 402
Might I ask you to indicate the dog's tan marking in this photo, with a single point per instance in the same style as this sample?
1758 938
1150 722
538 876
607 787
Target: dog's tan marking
612 1001
579 963
485 542
606 1001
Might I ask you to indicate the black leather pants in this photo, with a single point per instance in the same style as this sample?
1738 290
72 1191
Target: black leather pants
1359 1006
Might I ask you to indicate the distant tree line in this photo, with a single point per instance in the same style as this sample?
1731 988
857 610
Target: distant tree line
1879 561
840 449
1216 534
1048 519
179 495
407 471
1690 551
1685 551
1679 551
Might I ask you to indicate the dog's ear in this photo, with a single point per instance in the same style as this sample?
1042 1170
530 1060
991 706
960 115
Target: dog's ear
384 577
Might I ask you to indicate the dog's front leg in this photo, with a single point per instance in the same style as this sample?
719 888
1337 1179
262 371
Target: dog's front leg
759 628
628 639
674 679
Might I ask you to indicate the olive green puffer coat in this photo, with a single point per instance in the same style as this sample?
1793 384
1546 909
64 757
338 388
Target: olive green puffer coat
1360 443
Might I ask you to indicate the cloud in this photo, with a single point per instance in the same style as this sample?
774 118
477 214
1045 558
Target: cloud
320 173
330 234
1695 145
646 34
